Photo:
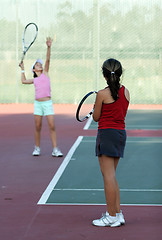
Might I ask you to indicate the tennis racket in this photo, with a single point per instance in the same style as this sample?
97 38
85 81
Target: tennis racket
86 106
29 36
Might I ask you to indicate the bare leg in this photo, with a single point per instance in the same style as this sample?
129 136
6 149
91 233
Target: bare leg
108 166
51 125
116 160
38 126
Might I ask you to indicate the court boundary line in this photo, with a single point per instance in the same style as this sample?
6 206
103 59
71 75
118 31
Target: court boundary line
129 126
59 172
101 190
104 204
130 141
144 127
88 123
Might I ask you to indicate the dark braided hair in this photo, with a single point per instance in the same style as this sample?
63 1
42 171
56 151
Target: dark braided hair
35 75
112 70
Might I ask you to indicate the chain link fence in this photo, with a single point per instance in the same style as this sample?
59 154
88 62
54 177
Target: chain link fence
85 33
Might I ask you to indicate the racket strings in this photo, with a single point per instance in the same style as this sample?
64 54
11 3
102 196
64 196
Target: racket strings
29 35
86 107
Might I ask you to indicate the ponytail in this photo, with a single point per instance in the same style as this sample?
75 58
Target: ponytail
112 70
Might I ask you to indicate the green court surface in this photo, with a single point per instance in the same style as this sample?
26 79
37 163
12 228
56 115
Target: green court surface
79 181
140 119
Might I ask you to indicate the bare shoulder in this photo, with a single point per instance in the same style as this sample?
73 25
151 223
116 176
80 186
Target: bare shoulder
101 93
45 73
127 94
104 91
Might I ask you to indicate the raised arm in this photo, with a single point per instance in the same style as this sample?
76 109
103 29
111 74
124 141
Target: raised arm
47 63
23 77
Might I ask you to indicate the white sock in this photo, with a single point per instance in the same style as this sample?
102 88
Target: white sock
112 218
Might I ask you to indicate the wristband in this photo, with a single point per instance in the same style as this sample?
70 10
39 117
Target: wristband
22 71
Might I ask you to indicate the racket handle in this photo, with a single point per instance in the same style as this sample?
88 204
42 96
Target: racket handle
22 59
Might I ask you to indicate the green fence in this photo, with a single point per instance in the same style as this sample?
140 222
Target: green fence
85 33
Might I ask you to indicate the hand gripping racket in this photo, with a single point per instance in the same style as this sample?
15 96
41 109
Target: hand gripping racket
86 106
29 36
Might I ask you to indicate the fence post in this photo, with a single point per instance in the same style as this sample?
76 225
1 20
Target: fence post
17 55
96 41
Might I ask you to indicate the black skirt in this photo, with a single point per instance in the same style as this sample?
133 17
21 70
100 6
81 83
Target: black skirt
110 142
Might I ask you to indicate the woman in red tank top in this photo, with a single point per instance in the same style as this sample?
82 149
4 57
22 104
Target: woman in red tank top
110 110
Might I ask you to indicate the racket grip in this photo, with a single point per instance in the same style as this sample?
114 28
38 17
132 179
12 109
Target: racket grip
22 59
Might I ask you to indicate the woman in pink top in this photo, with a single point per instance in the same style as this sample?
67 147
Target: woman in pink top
43 105
110 110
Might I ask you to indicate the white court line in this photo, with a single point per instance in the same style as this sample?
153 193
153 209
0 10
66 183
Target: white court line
59 172
130 141
103 204
101 190
154 127
88 123
135 127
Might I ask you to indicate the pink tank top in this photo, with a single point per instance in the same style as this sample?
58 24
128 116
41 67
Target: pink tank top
42 86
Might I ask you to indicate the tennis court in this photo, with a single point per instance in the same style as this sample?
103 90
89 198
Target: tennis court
79 181
47 198
70 190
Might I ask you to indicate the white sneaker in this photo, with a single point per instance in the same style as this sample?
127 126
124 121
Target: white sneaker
106 220
56 152
120 217
36 151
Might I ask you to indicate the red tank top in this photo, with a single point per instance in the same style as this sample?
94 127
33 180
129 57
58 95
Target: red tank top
113 114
